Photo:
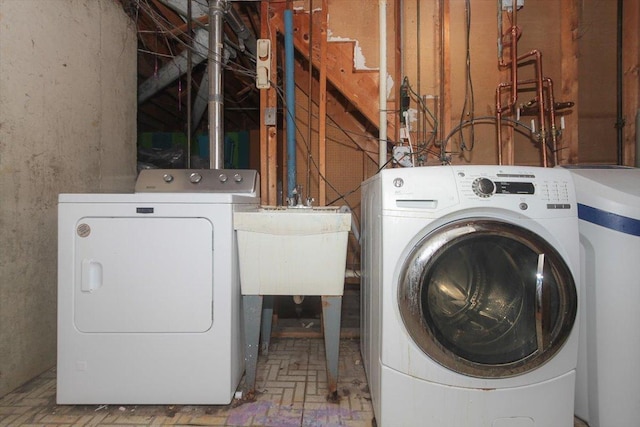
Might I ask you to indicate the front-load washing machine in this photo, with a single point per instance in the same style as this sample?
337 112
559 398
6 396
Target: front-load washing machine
148 290
608 382
469 296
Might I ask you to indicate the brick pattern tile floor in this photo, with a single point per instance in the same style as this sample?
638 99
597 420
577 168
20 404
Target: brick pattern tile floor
291 392
291 389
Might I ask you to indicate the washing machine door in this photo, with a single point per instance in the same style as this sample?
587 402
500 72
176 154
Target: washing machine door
487 298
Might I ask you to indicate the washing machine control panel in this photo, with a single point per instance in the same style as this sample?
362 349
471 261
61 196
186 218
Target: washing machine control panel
485 186
523 188
533 191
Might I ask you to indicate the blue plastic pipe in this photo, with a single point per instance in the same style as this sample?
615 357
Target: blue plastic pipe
290 97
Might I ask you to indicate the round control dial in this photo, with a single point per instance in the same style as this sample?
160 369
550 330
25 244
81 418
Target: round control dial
483 187
195 178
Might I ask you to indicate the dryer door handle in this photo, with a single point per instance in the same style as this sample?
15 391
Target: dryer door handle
91 275
539 302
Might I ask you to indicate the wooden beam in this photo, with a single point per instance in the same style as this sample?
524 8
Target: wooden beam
445 69
268 131
360 87
182 29
397 68
322 107
569 23
340 117
631 71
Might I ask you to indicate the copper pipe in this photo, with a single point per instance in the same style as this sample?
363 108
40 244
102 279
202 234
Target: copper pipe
540 94
549 112
543 87
514 60
512 64
552 121
513 51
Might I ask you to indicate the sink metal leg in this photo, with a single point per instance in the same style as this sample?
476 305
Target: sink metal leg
331 309
252 311
267 317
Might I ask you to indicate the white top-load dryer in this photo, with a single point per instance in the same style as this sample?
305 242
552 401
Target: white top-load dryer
469 296
148 290
608 378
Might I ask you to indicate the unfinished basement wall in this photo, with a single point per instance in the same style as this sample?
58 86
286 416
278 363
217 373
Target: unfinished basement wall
67 124
597 74
355 24
438 72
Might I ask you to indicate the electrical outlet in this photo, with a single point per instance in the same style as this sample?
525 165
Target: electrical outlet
263 63
402 155
270 116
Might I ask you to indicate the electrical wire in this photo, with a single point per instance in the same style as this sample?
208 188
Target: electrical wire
426 109
469 101
166 30
492 120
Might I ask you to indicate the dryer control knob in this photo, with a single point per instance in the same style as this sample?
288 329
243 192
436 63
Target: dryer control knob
195 178
167 177
237 177
483 187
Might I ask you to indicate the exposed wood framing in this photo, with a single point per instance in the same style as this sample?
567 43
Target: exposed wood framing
569 24
397 67
359 86
268 102
445 69
322 107
508 135
335 63
631 75
341 117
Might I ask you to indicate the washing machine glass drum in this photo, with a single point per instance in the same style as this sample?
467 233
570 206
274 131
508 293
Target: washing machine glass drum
487 298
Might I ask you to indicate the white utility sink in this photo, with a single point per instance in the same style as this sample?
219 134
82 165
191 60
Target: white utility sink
292 251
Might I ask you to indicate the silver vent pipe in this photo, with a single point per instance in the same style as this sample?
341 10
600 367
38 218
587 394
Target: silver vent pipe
217 10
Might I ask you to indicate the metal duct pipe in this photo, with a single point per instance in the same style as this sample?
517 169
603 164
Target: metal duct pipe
246 38
290 91
382 18
216 96
175 68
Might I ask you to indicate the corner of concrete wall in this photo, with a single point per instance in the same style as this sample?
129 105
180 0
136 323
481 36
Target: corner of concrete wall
67 124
